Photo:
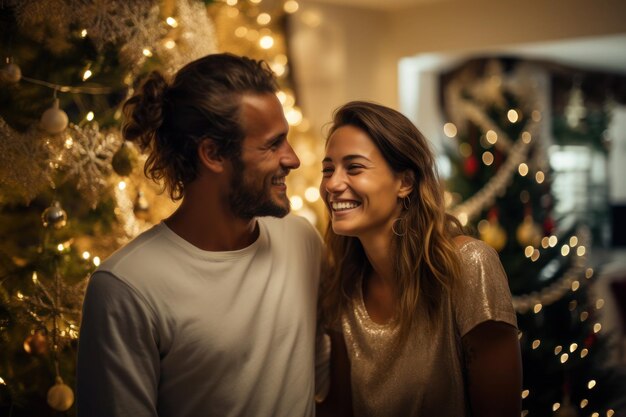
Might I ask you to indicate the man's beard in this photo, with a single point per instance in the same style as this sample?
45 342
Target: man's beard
248 200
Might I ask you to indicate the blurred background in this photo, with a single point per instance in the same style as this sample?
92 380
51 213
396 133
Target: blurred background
524 103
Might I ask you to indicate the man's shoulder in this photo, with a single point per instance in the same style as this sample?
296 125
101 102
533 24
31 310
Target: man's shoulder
291 223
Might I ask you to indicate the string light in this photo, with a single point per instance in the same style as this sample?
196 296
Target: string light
90 116
83 33
597 327
573 347
172 22
564 357
584 352
573 241
599 304
525 393
491 136
580 251
291 6
558 350
312 194
450 130
296 202
540 177
87 74
584 316
537 308
556 406
487 158
146 52
263 19
564 250
266 42
536 343
96 261
86 255
591 384
584 403
526 137
522 169
121 185
512 115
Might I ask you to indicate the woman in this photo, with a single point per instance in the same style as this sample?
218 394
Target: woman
419 315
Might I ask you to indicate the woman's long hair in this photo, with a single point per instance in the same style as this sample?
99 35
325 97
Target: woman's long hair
425 261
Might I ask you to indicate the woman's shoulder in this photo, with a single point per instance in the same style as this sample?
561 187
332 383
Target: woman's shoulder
471 248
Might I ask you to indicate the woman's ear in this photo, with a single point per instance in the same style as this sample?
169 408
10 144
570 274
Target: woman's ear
209 156
407 183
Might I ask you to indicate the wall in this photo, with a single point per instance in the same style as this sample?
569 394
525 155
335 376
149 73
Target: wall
343 53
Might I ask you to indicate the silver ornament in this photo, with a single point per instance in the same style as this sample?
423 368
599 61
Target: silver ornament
54 216
54 120
60 396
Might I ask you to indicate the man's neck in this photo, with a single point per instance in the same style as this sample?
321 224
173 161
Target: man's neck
212 228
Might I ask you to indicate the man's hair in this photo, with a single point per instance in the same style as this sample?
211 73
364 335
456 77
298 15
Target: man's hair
202 102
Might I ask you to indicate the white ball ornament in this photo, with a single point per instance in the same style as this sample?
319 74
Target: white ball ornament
60 396
54 120
11 73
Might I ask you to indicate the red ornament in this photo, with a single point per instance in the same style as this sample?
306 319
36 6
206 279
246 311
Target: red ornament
470 166
548 225
590 340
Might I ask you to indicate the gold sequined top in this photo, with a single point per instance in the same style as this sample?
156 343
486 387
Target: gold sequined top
424 376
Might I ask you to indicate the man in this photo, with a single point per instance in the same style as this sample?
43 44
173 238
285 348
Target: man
211 312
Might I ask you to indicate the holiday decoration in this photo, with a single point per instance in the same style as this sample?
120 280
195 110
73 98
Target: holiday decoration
124 160
529 233
10 73
36 343
54 120
492 232
60 396
54 216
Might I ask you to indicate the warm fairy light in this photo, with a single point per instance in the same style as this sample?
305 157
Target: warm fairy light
20 296
83 33
545 242
597 327
279 69
241 32
69 142
463 218
266 42
609 412
552 241
520 334
86 255
528 251
90 116
524 413
146 52
522 169
572 305
599 303
173 23
537 308
60 247
281 59
525 393
465 149
282 97
512 115
584 316
565 250
96 260
536 343
312 194
540 177
564 357
293 116
573 241
487 158
87 74
589 273
584 403
491 136
231 2
596 414
580 251
591 384
556 406
291 6
573 347
121 185
296 202
536 115
558 350
584 352
263 18
450 130
34 277
170 44
526 137
535 255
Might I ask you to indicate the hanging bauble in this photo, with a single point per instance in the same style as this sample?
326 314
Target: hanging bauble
54 120
124 160
54 216
548 225
470 166
528 232
492 233
60 396
11 73
36 343
142 206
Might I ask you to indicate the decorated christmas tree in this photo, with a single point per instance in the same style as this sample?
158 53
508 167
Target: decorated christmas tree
71 190
501 187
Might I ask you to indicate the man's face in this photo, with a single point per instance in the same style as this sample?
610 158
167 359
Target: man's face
258 185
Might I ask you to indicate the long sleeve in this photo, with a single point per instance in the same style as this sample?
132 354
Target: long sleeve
118 356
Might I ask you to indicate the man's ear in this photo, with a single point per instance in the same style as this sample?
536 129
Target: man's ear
407 183
209 156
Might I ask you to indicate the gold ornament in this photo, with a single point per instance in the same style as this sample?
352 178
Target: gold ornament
11 73
60 396
54 216
529 233
493 234
54 120
36 343
124 160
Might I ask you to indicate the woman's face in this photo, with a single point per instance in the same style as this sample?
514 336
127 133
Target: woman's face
358 186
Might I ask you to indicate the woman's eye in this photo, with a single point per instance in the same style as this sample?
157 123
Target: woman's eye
354 167
326 171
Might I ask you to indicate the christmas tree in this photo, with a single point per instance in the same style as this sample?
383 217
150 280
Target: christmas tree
501 187
71 190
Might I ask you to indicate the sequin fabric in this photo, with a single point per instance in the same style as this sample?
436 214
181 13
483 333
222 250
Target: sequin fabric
424 376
